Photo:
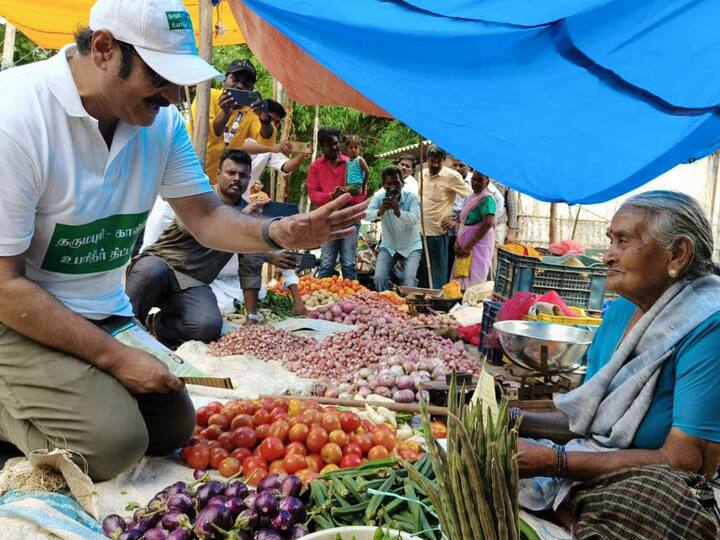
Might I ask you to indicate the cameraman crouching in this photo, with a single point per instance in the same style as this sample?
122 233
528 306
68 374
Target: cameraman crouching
399 214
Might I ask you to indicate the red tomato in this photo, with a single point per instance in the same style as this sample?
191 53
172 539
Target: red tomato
384 438
246 407
329 468
254 462
384 427
213 444
256 452
266 403
313 415
211 433
298 433
261 416
282 403
409 445
439 430
366 425
314 462
316 439
196 439
294 463
202 415
242 420
279 429
296 448
254 476
331 453
277 412
277 466
229 466
245 437
198 457
331 422
311 404
295 420
272 448
338 437
263 431
184 452
215 406
349 421
378 452
226 440
306 476
231 410
364 441
350 460
241 454
354 449
408 455
217 455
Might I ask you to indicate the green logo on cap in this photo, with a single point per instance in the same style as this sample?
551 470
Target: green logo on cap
179 20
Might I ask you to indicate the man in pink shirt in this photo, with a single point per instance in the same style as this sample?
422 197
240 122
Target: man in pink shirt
326 180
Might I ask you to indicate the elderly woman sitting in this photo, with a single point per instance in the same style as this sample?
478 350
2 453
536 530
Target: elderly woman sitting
639 434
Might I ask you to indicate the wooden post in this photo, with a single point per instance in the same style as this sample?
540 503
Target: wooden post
553 223
316 128
577 218
8 55
422 215
202 97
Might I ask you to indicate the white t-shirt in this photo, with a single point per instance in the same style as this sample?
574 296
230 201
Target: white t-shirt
411 185
275 160
73 207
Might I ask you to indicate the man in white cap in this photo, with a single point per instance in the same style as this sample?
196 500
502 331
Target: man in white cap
88 139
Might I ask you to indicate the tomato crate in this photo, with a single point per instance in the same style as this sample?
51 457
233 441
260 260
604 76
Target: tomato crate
489 345
582 287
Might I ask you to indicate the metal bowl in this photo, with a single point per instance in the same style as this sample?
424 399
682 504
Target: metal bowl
543 347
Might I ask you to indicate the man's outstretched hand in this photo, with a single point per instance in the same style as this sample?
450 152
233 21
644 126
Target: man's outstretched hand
329 222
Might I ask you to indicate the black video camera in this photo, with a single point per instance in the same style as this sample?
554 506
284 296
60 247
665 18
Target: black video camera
392 194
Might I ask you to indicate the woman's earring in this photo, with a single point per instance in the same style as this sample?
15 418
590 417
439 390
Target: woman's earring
672 273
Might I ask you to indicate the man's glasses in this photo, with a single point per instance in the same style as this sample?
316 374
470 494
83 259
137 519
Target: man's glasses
156 80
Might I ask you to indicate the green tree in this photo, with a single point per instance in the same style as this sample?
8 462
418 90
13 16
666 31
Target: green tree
26 51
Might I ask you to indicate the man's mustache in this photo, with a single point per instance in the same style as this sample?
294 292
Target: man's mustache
157 101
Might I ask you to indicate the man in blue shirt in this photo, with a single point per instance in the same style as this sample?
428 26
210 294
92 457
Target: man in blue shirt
399 213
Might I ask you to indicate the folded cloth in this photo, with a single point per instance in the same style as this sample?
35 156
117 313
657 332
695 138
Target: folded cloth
50 514
608 409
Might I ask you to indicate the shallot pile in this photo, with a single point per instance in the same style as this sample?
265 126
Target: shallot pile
265 342
359 309
338 357
440 320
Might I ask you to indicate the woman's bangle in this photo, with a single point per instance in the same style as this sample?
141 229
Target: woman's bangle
561 462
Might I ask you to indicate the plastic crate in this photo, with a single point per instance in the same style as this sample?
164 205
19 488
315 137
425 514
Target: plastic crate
581 320
489 345
579 287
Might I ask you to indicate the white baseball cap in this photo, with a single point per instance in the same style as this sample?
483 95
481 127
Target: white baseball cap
161 32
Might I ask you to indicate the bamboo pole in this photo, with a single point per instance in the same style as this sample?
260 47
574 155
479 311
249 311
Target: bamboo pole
577 218
422 216
8 55
202 97
553 223
316 128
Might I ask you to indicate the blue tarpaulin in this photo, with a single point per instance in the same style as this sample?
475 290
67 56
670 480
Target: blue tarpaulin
565 100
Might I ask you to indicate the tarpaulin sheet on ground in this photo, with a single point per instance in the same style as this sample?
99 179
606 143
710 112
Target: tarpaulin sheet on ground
51 24
565 100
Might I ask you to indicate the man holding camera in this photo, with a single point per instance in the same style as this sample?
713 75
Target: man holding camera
399 212
233 120
176 272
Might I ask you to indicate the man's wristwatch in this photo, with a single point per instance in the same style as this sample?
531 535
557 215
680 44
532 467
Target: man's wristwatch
266 234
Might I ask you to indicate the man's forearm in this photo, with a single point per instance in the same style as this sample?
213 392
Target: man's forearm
292 164
31 311
220 122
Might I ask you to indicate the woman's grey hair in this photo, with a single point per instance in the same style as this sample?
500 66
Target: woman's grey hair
674 215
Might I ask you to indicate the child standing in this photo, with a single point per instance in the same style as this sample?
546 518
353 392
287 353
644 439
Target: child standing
358 171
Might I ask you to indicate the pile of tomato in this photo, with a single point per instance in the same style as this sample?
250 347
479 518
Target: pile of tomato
297 437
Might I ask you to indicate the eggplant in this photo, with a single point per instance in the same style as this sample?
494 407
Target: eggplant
266 504
282 521
270 482
236 489
176 488
181 502
155 534
199 474
267 534
208 491
213 521
218 499
247 520
175 520
235 505
291 486
250 500
113 525
297 531
239 535
295 507
132 534
157 503
181 534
